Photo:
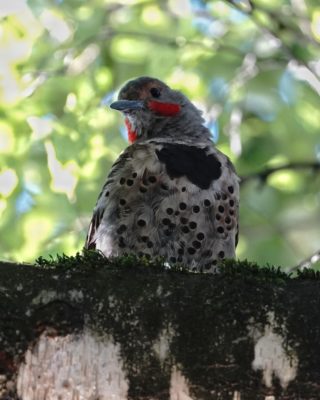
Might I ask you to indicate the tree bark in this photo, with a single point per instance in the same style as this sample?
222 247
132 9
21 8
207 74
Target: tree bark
111 330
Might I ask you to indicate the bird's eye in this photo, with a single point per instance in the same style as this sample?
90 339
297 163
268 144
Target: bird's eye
155 92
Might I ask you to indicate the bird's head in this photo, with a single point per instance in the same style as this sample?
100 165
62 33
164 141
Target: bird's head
152 109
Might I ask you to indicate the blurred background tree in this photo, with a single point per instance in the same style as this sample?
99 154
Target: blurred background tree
253 67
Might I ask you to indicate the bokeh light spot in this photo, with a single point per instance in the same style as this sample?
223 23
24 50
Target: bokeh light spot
63 177
153 16
315 24
286 181
57 27
6 138
8 182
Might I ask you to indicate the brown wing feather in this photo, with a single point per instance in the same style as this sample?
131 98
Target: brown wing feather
90 243
98 212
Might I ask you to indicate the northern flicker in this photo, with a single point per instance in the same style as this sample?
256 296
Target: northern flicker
170 193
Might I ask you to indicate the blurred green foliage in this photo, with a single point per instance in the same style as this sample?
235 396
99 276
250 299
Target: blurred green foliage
252 66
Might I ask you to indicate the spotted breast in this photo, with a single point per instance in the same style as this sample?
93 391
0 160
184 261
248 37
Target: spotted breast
175 200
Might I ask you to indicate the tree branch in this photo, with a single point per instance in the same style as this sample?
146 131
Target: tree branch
263 175
307 263
83 327
300 36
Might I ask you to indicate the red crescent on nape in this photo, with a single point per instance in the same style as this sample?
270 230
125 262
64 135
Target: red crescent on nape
132 135
165 109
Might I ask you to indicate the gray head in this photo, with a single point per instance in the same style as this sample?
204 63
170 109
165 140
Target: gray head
154 110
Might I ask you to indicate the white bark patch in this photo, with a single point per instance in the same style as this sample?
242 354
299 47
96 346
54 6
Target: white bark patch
73 367
162 344
236 395
179 389
76 295
271 356
47 296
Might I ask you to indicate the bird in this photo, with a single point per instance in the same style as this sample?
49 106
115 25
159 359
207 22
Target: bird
171 192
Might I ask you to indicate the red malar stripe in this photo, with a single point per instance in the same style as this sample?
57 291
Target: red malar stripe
166 109
132 136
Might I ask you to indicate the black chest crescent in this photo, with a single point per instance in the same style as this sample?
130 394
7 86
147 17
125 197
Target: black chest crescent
190 161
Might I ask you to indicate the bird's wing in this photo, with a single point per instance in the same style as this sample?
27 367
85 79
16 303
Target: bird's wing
102 201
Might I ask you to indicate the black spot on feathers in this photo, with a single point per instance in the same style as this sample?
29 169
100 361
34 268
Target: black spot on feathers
182 160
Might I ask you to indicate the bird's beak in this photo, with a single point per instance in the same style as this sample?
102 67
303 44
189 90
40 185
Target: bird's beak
127 105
